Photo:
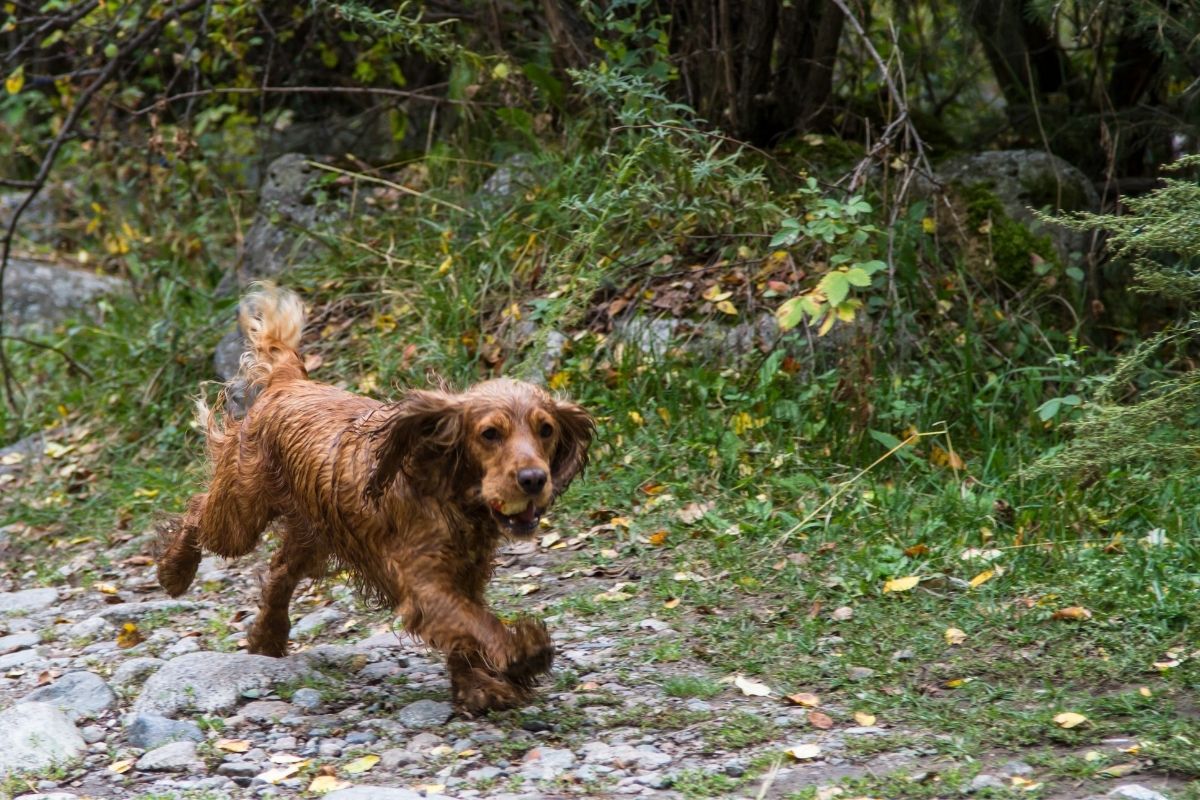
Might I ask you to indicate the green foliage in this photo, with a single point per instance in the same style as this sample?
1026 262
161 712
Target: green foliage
1013 246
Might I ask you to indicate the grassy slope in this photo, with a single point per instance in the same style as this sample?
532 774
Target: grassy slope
793 534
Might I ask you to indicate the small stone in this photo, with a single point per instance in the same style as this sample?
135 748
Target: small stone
903 655
331 748
863 730
655 780
134 671
394 759
307 698
90 628
18 641
93 733
735 769
77 694
171 757
375 793
425 714
312 624
27 600
535 725
424 741
1015 767
121 613
656 625
1135 791
546 763
484 773
696 704
984 781
188 644
266 710
34 736
361 737
239 769
859 673
18 658
150 731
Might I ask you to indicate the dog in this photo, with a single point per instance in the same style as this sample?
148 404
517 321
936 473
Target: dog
411 498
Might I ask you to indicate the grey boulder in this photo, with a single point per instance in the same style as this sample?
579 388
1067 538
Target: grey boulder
34 737
77 694
212 682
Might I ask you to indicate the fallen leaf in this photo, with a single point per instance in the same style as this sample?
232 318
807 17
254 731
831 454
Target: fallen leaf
327 783
983 555
526 589
105 588
864 719
692 512
751 688
550 539
233 745
902 584
1072 612
803 752
278 774
1145 691
1092 756
982 578
916 550
1069 719
955 636
129 636
658 537
726 307
122 766
674 601
1163 666
1024 784
286 758
842 614
1120 770
820 720
360 765
806 699
684 577
614 595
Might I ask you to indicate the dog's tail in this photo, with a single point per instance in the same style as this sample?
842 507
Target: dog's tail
272 320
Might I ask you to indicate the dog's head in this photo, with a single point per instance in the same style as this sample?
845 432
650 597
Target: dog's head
506 444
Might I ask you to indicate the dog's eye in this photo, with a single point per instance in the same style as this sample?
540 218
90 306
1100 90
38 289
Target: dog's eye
546 431
491 434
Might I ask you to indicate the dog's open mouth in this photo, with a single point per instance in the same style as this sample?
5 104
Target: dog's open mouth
522 521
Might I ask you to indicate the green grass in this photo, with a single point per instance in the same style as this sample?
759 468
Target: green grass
690 686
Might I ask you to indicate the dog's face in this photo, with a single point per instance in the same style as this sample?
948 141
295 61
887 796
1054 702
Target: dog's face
506 444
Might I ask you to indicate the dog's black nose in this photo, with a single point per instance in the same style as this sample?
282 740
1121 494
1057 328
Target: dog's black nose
531 479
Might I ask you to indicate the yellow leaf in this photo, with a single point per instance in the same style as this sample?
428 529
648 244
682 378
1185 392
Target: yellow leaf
1120 770
1024 784
129 636
982 578
327 783
902 584
713 294
15 80
864 719
955 636
501 71
827 324
1072 612
726 307
1145 691
674 601
804 752
360 765
122 766
619 522
1069 719
286 758
446 264
636 418
278 774
560 380
806 699
741 423
929 225
752 688
526 589
658 538
233 745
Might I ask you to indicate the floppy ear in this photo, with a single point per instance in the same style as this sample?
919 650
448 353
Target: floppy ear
576 428
420 438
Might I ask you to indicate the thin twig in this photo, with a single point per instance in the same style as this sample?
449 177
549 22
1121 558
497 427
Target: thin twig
368 90
390 184
46 346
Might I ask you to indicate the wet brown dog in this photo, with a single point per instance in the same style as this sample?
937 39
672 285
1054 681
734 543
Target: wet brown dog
411 498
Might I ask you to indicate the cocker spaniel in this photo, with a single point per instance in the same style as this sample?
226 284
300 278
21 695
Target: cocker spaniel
411 497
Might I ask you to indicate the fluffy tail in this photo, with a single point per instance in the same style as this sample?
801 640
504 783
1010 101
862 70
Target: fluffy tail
272 320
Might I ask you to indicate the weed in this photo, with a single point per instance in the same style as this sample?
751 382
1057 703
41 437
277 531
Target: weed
690 686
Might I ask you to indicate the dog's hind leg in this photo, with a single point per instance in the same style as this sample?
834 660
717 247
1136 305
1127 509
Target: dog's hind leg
297 558
179 553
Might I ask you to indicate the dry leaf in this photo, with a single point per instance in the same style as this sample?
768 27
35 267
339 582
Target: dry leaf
1069 719
842 614
129 636
105 588
1072 612
1120 770
820 720
864 719
526 589
327 783
278 774
1145 691
803 752
751 688
674 601
233 745
550 539
806 699
902 584
658 537
285 758
122 766
955 636
982 578
693 512
360 765
916 550
1024 784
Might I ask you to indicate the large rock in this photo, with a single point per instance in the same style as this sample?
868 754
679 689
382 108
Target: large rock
26 601
1028 179
77 694
120 613
172 757
40 295
212 682
373 793
34 737
149 731
424 714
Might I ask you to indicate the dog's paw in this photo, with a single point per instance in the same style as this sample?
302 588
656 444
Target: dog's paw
534 651
477 691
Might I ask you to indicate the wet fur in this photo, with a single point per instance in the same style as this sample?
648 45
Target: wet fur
393 493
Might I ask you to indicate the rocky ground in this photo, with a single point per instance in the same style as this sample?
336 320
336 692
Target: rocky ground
110 689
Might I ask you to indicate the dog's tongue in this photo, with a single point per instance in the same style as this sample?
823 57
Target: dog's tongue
527 515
